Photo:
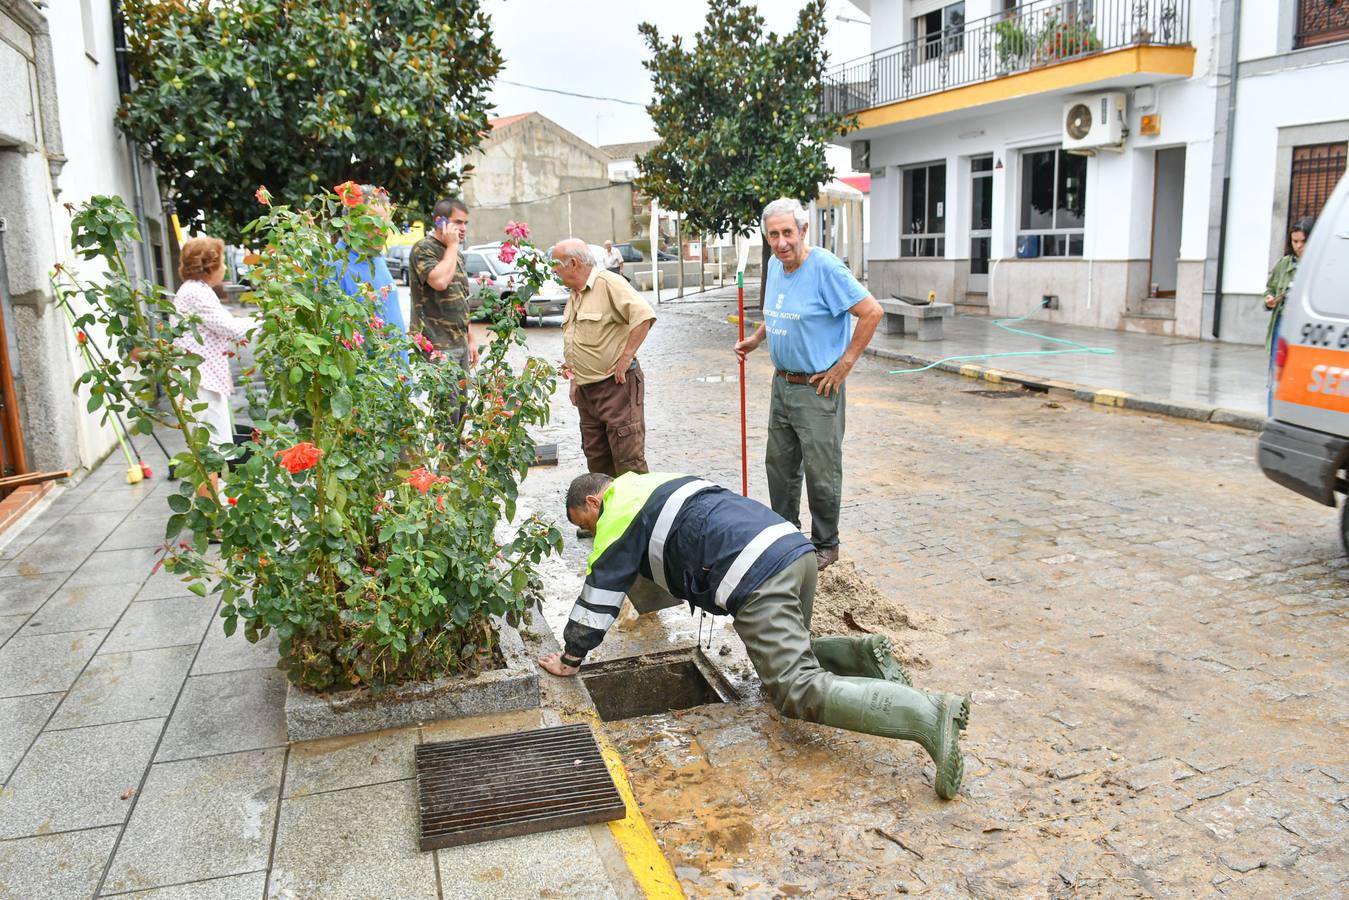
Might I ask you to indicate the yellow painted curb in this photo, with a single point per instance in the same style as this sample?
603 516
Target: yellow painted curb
993 375
970 371
1109 398
646 861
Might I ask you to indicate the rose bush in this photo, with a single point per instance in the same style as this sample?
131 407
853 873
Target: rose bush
363 525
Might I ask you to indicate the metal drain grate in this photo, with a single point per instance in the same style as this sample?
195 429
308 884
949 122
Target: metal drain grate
482 789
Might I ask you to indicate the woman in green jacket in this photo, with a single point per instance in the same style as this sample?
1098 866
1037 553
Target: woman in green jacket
1276 292
1281 278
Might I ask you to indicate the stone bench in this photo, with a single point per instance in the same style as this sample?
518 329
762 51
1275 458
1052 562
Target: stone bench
922 320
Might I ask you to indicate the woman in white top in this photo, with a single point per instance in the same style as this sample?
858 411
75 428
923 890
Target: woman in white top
202 268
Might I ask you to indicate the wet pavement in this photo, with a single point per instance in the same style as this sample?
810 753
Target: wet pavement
1156 367
1152 633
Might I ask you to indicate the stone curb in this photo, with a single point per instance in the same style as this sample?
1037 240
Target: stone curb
1175 409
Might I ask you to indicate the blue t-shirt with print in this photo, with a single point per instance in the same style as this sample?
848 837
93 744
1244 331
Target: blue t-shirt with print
806 311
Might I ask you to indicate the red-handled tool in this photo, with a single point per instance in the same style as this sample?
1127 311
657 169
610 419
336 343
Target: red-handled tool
744 443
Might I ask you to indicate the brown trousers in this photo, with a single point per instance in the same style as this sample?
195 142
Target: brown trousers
613 424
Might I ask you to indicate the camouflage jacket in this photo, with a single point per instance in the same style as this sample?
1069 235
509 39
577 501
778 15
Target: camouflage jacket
440 315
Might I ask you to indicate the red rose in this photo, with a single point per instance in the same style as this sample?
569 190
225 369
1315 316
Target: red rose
233 501
263 196
300 457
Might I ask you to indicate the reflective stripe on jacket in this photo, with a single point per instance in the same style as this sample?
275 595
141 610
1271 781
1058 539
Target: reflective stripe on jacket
697 540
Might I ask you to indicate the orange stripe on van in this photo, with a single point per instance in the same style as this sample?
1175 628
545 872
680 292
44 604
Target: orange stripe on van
1315 376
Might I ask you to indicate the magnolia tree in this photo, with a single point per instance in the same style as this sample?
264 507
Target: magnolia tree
224 91
738 116
360 522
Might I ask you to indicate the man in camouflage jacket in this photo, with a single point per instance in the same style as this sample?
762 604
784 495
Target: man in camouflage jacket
440 287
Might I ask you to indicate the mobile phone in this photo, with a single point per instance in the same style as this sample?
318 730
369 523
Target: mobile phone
441 222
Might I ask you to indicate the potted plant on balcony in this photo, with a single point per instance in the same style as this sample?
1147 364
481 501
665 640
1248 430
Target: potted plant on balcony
364 527
1013 44
1065 39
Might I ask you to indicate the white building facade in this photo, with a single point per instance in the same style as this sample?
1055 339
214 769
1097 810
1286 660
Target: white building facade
1067 159
59 144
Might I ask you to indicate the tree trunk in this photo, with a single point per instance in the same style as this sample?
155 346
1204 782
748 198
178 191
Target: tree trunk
765 254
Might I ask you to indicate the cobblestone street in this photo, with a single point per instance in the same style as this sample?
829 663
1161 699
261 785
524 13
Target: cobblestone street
1152 632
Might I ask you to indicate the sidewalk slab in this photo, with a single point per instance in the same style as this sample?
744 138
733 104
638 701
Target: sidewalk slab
199 819
150 624
334 764
24 594
21 718
230 654
9 625
55 866
42 663
353 844
227 713
76 779
232 887
119 687
82 607
554 863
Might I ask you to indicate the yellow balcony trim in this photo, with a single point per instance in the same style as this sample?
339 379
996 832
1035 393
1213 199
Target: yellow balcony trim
1070 74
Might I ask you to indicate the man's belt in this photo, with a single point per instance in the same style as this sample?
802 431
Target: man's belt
796 377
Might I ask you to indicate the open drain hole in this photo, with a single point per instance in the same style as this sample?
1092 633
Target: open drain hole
997 395
655 683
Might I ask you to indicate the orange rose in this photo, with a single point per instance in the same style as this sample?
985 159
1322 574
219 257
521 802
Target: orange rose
350 192
300 457
422 480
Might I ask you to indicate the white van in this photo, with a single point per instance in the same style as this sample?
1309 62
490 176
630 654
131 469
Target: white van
1305 442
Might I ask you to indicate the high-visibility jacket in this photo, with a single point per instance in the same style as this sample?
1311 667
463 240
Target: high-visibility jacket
697 540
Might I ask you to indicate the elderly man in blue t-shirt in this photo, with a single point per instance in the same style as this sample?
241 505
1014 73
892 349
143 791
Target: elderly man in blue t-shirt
810 301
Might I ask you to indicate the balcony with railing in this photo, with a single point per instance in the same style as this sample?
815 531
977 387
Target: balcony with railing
1029 38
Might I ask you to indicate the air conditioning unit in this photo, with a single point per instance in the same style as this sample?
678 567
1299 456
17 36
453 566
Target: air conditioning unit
1094 122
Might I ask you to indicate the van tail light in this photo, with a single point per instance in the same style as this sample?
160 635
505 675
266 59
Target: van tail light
1280 357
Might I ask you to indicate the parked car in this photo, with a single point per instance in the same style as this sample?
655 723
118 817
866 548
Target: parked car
1305 442
632 255
396 258
485 269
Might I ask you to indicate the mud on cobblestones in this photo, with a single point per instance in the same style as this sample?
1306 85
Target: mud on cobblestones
1152 632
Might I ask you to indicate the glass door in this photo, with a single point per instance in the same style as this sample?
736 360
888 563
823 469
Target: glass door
981 222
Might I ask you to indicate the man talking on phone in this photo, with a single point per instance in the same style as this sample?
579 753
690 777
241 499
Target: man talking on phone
440 285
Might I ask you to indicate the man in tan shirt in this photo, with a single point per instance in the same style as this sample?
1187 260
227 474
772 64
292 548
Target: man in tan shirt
603 325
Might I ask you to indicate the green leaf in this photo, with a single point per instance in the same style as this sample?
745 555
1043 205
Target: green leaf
198 588
179 503
174 526
341 403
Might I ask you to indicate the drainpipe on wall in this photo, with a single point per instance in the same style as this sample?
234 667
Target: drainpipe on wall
120 54
1227 165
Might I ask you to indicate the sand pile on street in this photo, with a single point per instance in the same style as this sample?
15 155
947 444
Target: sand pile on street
846 602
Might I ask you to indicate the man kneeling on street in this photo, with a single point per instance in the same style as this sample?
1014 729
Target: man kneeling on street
729 555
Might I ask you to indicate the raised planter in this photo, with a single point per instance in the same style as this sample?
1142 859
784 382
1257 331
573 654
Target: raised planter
514 686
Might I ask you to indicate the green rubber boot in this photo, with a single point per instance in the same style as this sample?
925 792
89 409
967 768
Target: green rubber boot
934 721
860 657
